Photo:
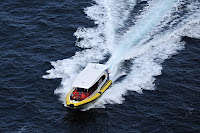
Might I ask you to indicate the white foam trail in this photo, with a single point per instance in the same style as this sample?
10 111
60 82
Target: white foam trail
136 33
146 45
94 38
147 64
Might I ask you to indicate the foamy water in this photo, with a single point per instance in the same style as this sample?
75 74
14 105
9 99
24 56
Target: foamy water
154 37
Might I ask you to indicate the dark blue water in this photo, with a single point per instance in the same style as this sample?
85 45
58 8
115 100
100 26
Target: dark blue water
33 33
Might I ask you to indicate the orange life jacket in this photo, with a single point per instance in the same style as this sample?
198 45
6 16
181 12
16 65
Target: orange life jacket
83 96
75 92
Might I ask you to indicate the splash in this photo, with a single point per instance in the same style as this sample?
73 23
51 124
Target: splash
153 36
136 33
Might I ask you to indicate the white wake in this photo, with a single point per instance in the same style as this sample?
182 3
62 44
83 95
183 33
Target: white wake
145 41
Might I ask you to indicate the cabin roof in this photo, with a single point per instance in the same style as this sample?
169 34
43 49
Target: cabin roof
89 76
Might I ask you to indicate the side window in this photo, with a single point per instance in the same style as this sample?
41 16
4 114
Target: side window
95 86
101 79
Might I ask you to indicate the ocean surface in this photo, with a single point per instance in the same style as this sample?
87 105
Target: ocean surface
152 48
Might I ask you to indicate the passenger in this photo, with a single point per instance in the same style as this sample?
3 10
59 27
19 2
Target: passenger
77 97
75 92
87 94
83 96
79 90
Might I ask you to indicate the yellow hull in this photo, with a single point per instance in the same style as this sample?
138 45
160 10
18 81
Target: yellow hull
86 101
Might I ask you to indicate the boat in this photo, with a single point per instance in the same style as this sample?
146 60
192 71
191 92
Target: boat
89 85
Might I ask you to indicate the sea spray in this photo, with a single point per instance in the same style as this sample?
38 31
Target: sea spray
146 44
136 33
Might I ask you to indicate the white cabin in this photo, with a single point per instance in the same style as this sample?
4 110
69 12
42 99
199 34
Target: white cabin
90 75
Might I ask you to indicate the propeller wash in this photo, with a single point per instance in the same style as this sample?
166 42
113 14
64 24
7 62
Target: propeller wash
140 32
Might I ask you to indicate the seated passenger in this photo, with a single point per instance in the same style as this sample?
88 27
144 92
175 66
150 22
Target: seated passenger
75 92
77 98
83 96
79 90
87 94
